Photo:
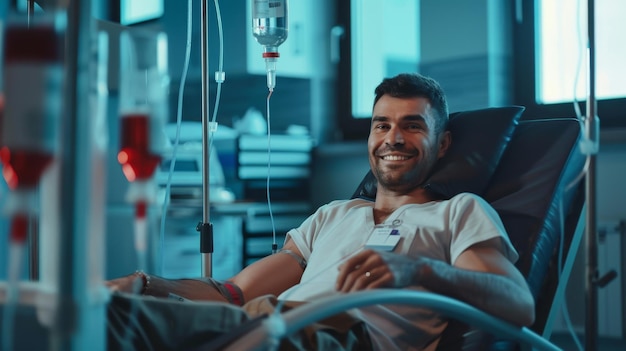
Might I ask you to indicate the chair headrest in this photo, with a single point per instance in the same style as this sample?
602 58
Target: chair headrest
479 138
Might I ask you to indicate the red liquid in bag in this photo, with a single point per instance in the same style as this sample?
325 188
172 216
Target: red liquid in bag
23 168
136 157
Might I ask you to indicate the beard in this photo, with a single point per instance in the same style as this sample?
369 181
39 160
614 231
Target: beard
401 178
396 180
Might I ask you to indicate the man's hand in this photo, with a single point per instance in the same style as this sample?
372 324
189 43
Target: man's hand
131 283
371 269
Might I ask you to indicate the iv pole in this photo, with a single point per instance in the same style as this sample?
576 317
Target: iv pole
33 239
80 323
591 130
30 10
205 227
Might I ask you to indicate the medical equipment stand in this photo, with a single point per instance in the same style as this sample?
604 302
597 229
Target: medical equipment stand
30 10
33 241
592 127
205 227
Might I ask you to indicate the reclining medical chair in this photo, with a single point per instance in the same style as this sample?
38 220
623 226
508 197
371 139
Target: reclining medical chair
531 171
537 190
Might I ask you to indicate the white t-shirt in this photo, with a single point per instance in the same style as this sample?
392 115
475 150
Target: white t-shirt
440 230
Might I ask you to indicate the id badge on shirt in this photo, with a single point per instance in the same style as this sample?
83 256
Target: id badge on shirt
383 238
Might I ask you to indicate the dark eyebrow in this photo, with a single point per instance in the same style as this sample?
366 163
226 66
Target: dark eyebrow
379 119
409 118
413 118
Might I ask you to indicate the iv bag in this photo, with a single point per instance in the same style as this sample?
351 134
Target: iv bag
269 22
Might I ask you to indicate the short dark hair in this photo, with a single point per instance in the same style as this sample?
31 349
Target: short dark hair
409 85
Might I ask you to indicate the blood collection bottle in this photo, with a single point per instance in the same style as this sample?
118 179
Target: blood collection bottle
143 93
143 90
33 88
137 154
33 76
33 93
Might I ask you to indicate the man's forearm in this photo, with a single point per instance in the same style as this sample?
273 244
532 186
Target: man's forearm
495 294
193 289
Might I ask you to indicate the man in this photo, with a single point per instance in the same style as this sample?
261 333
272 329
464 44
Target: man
456 247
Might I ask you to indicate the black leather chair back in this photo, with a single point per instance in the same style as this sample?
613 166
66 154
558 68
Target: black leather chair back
535 186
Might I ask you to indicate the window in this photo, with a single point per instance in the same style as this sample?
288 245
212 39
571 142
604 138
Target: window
383 40
384 43
562 41
551 58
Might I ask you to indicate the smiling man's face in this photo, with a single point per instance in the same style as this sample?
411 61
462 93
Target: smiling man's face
403 143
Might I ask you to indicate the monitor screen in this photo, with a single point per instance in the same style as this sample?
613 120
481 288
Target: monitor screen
136 11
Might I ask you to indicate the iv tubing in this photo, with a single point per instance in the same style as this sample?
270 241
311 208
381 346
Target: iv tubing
219 76
298 318
18 235
179 113
141 234
267 186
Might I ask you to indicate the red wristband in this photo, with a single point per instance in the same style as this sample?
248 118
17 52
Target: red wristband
234 294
